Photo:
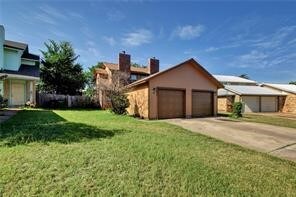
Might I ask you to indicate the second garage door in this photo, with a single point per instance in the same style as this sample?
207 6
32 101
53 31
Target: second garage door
171 103
269 104
202 103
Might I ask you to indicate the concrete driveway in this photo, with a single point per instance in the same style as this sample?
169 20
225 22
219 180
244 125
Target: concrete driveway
277 141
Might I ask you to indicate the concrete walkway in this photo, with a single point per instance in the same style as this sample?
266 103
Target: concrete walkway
277 141
6 114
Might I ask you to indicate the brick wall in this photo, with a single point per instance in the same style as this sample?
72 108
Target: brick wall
225 103
287 103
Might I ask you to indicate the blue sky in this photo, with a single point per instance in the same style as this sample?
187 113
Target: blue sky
225 37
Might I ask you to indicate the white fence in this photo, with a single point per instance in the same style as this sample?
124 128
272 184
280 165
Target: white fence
55 100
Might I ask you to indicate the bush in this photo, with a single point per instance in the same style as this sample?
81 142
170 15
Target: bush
237 110
3 102
119 103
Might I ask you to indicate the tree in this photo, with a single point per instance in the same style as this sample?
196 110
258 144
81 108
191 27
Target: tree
59 71
114 90
245 76
292 82
90 80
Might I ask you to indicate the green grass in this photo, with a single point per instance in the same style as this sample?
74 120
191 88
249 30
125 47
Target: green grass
266 119
96 153
272 120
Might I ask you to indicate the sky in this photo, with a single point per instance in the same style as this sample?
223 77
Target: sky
229 38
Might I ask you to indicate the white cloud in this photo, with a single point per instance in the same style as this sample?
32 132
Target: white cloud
44 18
110 40
188 32
137 38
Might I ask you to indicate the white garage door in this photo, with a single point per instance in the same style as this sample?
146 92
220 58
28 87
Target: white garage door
251 103
269 104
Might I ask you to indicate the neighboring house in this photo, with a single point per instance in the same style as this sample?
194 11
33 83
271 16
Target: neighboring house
254 97
185 90
124 66
287 103
21 69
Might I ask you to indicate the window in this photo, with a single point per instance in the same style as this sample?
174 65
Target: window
133 77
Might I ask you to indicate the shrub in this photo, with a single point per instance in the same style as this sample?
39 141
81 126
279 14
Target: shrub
119 103
237 110
3 102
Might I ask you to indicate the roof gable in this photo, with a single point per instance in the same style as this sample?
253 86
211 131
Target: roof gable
189 61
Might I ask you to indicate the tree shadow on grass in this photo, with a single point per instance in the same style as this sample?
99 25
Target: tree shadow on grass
46 126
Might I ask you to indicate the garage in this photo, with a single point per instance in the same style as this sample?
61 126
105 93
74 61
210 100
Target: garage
171 103
202 103
251 103
183 91
269 104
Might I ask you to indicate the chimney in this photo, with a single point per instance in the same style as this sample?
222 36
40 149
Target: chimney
124 62
153 65
2 38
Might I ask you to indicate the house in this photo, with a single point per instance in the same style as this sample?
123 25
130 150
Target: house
254 97
133 73
185 90
287 103
21 71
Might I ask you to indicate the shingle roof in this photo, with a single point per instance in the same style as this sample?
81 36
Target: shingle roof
26 70
252 90
17 45
113 66
191 60
233 79
284 87
30 56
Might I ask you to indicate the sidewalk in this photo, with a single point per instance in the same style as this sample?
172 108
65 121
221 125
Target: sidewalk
6 114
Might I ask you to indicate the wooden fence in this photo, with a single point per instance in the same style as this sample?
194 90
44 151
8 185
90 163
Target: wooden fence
59 100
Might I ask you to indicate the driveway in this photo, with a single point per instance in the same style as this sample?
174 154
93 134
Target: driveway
277 141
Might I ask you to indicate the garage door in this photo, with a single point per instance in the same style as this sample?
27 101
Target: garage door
202 104
251 103
269 104
171 103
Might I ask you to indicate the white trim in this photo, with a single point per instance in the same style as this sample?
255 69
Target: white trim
14 76
29 59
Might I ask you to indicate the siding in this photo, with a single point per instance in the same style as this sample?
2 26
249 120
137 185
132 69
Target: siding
139 101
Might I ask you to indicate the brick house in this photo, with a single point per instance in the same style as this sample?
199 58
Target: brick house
254 97
124 65
288 102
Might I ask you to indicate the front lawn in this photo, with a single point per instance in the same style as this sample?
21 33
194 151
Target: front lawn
273 120
96 153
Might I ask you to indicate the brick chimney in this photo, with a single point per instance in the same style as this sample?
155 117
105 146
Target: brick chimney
153 65
124 62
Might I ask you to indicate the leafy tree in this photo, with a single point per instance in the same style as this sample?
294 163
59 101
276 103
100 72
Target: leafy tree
59 71
90 80
292 82
245 76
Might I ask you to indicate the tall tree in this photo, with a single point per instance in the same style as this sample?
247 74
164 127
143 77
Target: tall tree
245 76
292 82
59 71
